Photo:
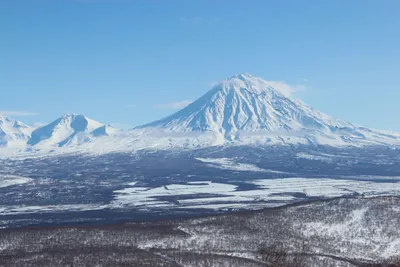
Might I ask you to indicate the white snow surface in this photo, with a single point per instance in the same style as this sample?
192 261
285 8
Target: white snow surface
276 191
13 134
105 130
231 164
355 229
150 139
323 158
9 180
24 209
68 130
219 196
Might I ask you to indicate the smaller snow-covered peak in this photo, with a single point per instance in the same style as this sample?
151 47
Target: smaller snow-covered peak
13 131
63 130
8 122
67 116
16 124
80 122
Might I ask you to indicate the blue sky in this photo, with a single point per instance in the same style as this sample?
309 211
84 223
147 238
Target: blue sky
130 62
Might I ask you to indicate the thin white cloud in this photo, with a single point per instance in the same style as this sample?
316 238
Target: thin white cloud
38 124
286 88
281 86
175 105
212 84
17 113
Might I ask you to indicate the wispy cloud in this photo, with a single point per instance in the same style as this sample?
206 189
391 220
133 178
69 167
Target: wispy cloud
214 83
17 113
38 124
175 105
281 86
286 88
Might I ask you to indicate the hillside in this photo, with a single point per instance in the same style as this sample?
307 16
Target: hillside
338 232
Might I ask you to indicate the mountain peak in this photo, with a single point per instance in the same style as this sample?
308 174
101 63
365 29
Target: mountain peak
13 131
4 119
243 76
72 116
247 82
14 123
63 130
245 103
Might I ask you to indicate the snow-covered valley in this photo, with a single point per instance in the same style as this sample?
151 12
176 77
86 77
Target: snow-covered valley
43 190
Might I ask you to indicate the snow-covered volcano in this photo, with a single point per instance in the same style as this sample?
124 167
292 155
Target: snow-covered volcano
242 110
13 133
70 129
248 108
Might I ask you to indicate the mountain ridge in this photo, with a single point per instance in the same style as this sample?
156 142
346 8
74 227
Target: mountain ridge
13 132
68 129
241 110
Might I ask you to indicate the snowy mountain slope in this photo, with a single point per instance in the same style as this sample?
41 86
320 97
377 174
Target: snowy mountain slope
13 133
248 109
150 139
70 129
105 130
242 110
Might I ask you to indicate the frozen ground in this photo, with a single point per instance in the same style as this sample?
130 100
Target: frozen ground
9 180
232 164
152 183
269 192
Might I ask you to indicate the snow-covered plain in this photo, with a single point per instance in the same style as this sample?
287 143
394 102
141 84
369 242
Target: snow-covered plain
9 180
26 209
327 158
231 164
220 196
270 192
